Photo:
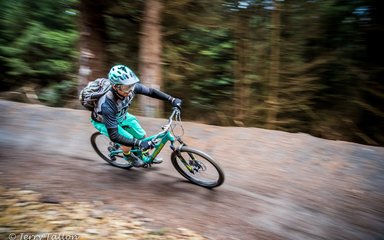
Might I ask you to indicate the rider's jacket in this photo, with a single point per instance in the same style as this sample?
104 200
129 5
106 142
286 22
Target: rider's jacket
112 108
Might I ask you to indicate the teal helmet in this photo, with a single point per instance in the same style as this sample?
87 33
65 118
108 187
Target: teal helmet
122 75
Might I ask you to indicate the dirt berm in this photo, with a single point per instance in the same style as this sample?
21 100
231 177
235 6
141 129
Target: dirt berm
278 185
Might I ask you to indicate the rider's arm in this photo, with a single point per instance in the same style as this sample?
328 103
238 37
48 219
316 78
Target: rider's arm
118 138
152 92
109 111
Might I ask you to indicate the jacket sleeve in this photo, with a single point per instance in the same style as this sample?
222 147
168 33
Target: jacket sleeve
118 138
151 92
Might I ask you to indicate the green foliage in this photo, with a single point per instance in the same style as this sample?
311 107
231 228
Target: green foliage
198 55
57 94
37 42
123 26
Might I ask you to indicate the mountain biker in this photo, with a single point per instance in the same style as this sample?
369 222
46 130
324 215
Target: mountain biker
111 116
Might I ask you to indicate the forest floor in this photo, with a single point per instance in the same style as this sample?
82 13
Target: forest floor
29 215
278 185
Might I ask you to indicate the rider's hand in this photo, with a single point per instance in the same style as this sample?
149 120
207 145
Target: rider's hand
176 102
144 145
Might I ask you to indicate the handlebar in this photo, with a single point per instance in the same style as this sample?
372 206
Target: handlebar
175 113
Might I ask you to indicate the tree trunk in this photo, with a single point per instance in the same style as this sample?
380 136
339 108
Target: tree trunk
92 63
242 70
273 98
150 56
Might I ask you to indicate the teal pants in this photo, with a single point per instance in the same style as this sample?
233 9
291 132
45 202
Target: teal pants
129 128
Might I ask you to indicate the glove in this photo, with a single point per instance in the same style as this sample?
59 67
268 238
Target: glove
144 145
176 102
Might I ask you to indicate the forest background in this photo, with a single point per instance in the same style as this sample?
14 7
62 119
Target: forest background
313 66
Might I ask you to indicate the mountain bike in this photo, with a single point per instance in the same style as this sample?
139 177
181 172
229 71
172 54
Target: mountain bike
196 166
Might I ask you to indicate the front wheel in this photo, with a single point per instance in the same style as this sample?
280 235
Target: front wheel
197 167
108 151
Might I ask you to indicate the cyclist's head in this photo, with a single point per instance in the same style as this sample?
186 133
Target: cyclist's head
122 75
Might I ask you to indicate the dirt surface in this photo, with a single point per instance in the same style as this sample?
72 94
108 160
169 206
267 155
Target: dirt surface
278 185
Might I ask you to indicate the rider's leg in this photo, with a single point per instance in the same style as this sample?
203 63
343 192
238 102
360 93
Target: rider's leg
132 125
103 130
137 162
129 128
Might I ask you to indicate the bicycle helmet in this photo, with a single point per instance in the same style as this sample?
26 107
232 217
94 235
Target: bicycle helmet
122 75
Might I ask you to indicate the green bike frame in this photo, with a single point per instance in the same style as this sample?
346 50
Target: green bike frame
160 141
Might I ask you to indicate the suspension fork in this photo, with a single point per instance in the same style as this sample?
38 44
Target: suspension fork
178 153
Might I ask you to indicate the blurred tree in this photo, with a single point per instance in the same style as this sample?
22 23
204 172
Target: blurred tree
309 66
370 22
92 27
293 87
274 73
150 56
37 42
123 20
345 43
198 57
243 63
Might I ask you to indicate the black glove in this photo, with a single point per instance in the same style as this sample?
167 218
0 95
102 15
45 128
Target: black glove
176 102
144 145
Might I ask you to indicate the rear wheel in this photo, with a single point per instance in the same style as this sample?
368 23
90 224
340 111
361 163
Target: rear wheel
197 167
108 151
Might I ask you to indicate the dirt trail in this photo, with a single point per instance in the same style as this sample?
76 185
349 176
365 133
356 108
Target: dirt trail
278 185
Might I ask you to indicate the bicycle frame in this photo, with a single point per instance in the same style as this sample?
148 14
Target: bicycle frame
159 141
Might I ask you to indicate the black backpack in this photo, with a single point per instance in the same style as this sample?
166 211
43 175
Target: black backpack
93 91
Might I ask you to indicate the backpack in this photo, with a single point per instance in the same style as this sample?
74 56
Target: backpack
93 91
